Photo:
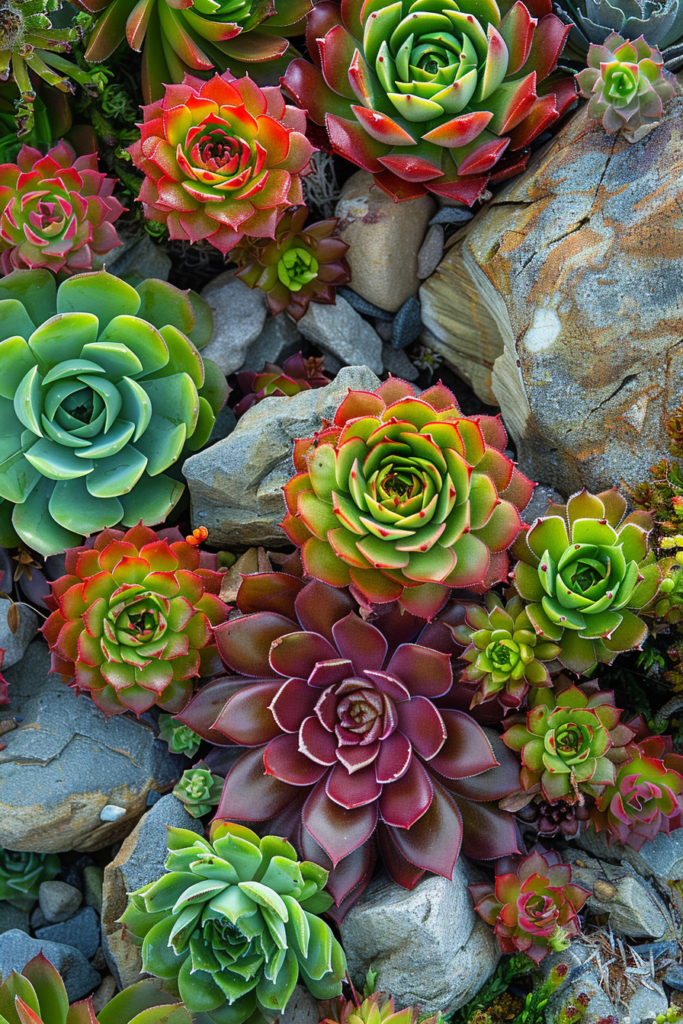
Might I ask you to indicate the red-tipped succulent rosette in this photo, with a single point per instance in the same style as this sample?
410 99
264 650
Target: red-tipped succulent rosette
432 95
351 737
404 497
222 159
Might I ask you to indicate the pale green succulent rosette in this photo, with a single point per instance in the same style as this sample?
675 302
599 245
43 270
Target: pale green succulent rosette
102 390
199 790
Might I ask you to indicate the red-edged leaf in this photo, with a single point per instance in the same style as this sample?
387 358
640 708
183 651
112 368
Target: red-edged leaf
542 114
423 671
353 789
459 131
411 168
246 718
244 643
337 830
336 50
488 833
307 87
403 802
484 157
467 750
251 795
283 759
433 842
206 705
351 141
400 191
319 22
547 45
381 127
401 870
269 592
297 654
360 642
319 606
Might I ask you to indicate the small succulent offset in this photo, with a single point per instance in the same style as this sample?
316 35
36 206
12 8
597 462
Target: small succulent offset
570 741
222 159
234 925
199 790
57 211
626 85
660 22
534 907
404 497
581 567
303 264
22 874
429 94
377 1008
133 617
505 655
296 375
180 738
101 391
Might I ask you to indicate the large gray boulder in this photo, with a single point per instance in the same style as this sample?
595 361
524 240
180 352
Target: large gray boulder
236 485
66 762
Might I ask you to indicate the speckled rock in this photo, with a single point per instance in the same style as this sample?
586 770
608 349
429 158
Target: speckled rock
431 251
341 331
17 948
236 485
65 763
239 314
564 302
82 931
58 900
582 979
15 644
279 339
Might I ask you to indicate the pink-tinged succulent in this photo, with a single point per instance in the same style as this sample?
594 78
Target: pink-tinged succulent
297 374
404 497
432 95
222 159
58 211
352 736
133 617
533 907
626 84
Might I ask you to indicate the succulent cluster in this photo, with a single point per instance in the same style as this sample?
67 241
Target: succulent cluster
199 790
660 22
180 738
23 873
296 375
377 1008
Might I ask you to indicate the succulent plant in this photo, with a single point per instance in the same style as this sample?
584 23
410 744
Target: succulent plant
234 925
505 655
57 211
570 740
533 907
581 567
197 36
101 391
199 790
351 723
660 22
222 159
428 95
296 375
303 264
133 617
180 738
626 85
22 874
404 497
667 607
377 1008
557 819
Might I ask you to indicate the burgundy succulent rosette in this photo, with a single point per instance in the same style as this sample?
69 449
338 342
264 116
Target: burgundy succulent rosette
353 740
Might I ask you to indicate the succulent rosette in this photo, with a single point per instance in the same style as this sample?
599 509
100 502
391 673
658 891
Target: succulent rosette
534 908
22 873
404 497
296 375
429 94
505 655
377 1008
582 566
199 790
133 617
592 21
180 738
233 925
57 211
222 159
303 264
101 392
570 741
351 734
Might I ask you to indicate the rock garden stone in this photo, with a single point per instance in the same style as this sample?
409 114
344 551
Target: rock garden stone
343 332
363 306
396 362
59 901
431 251
279 339
12 917
15 644
236 484
139 257
92 887
377 229
104 993
407 324
65 763
540 499
17 948
302 1008
81 931
647 1001
239 314
582 979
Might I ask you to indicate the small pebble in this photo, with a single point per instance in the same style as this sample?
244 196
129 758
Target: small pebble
397 363
362 305
59 901
82 931
452 215
153 796
407 324
674 977
110 812
99 960
431 251
92 887
383 328
38 919
104 993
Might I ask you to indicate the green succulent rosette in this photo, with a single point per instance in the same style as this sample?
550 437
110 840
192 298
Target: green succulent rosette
234 925
583 569
180 738
102 391
199 790
22 873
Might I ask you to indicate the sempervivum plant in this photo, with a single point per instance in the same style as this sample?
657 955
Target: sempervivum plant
404 497
133 619
303 264
22 874
222 159
199 790
429 94
234 925
534 907
377 1008
504 653
626 85
592 21
180 738
57 211
569 741
581 567
296 375
351 732
101 391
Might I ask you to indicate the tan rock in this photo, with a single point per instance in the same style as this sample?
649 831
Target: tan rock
385 238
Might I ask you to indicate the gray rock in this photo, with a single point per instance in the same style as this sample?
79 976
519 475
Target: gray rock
427 945
236 485
139 861
396 362
139 257
17 948
674 977
661 859
302 1008
363 306
279 339
646 1002
581 979
538 506
343 332
11 917
104 993
224 424
82 931
65 762
407 325
452 215
92 886
15 644
59 901
239 314
431 251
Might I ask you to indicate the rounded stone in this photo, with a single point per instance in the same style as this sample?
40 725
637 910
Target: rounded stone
59 901
239 314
